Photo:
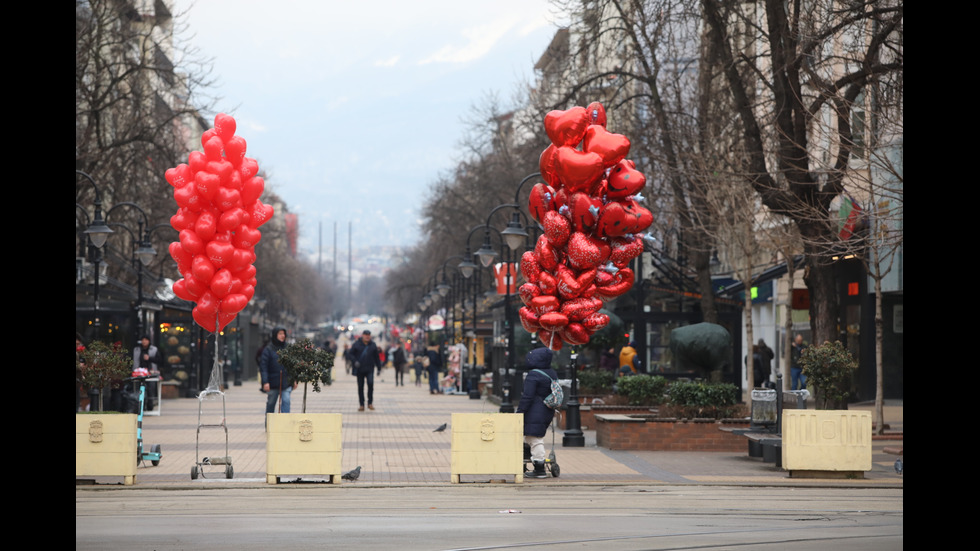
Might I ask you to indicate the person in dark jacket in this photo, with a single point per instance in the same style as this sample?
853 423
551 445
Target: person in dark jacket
275 378
400 362
366 359
435 366
537 416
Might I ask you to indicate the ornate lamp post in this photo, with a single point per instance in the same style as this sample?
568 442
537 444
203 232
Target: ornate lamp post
96 232
144 252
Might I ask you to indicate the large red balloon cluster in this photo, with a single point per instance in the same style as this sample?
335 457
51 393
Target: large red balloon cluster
592 228
218 219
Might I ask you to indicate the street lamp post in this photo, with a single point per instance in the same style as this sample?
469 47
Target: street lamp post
574 437
143 253
96 232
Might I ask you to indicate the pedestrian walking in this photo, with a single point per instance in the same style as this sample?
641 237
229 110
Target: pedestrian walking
537 415
367 358
275 378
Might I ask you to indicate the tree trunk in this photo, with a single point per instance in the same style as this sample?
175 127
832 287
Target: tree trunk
879 363
822 283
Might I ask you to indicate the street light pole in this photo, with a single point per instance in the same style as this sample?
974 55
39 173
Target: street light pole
143 252
574 437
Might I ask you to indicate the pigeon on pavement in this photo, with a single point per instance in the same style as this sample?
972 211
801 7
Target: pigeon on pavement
352 475
441 428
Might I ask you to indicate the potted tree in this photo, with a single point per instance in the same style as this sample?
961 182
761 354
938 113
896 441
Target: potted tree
304 443
831 439
105 441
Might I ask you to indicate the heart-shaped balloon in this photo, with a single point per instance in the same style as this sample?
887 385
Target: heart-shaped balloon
574 334
586 252
544 304
235 149
206 226
596 321
219 252
550 339
529 320
206 184
213 148
193 244
578 170
528 291
252 189
224 126
233 304
227 199
206 320
624 250
184 219
222 169
622 282
222 283
202 269
196 161
584 211
180 255
540 201
231 219
547 283
566 128
613 220
597 113
178 176
180 289
246 237
548 165
557 228
187 198
553 321
546 255
530 268
624 180
250 167
613 148
260 214
580 308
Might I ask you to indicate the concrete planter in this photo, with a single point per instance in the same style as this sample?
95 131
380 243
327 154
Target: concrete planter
587 413
650 433
105 445
303 444
487 443
826 443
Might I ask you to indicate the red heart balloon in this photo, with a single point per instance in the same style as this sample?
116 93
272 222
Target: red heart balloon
246 237
248 291
578 170
580 308
224 126
227 199
553 321
566 128
213 148
584 211
252 189
206 320
232 219
613 148
586 252
193 244
624 180
597 113
206 136
186 197
548 284
222 283
178 176
184 219
623 281
202 269
546 255
196 161
233 304
206 226
624 250
557 228
530 268
224 319
548 165
179 254
250 167
529 320
235 149
180 289
528 291
637 217
613 221
540 201
596 321
260 214
193 286
544 304
206 184
550 339
220 252
575 334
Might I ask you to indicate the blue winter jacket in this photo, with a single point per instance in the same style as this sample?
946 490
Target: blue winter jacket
537 416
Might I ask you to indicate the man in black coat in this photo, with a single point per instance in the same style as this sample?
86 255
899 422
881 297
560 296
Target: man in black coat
366 359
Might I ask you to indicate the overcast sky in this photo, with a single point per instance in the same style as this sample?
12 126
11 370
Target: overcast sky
354 108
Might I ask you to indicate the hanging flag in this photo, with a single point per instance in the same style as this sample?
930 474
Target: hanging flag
500 273
849 213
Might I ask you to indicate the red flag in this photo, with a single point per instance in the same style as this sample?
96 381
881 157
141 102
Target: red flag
500 273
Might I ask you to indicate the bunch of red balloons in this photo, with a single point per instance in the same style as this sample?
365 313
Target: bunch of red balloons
592 224
218 217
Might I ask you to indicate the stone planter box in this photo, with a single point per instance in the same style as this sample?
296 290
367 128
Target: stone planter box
105 445
651 433
303 444
826 443
487 444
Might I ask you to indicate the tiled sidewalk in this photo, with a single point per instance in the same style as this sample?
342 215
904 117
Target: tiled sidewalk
395 444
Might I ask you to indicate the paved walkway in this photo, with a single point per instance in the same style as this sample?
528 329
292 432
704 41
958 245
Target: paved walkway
395 444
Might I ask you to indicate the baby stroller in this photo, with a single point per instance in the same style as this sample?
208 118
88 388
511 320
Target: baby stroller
550 463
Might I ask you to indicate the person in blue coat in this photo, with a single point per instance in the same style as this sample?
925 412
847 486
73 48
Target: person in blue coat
275 378
537 416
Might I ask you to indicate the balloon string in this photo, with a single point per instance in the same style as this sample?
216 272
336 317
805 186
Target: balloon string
551 340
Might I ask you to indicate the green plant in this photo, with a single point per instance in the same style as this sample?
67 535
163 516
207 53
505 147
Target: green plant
641 390
104 366
596 381
703 400
307 363
829 367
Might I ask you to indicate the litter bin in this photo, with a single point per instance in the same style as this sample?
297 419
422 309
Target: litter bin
764 408
795 399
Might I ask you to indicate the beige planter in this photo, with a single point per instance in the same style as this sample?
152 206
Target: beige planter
487 443
303 444
105 445
826 443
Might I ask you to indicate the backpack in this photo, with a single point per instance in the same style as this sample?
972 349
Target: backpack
557 396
